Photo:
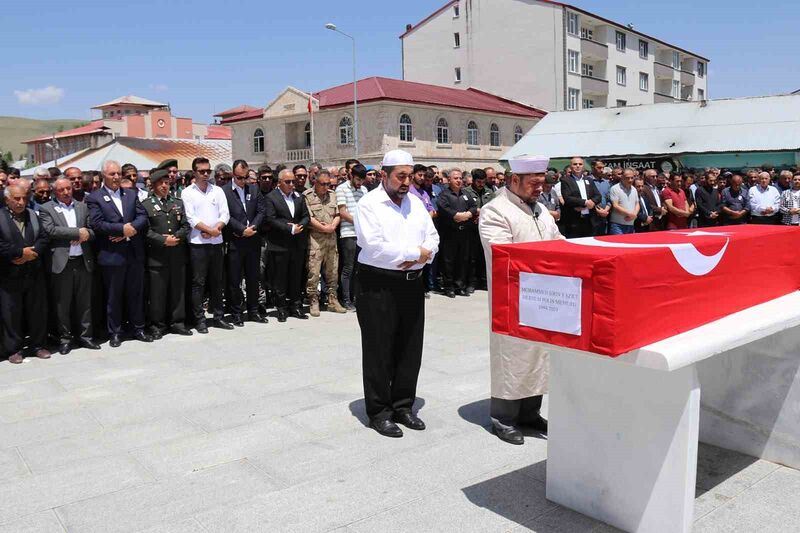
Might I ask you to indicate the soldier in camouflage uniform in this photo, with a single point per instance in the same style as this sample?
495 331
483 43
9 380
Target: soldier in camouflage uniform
322 249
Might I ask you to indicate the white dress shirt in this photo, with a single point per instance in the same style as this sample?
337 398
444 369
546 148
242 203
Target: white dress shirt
389 234
242 195
289 201
582 188
116 197
656 194
210 208
68 211
760 199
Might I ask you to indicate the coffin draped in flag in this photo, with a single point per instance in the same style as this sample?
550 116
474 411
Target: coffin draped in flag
611 295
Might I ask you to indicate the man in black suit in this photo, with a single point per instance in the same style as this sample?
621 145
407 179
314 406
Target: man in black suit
70 263
644 220
246 208
580 199
120 222
287 216
23 295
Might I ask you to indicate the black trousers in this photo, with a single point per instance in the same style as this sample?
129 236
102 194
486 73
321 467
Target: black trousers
477 261
124 287
455 258
580 227
512 413
167 293
391 315
286 277
348 255
243 260
208 261
72 299
23 311
772 220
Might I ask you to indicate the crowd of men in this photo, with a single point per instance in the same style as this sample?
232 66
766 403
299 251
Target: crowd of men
120 253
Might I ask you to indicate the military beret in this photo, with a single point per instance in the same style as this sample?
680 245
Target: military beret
165 164
159 174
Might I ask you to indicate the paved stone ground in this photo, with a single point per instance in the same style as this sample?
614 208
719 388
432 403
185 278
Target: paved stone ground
262 429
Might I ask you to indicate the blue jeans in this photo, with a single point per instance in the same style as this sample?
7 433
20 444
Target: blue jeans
620 229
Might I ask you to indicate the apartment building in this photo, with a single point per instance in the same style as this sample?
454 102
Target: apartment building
550 55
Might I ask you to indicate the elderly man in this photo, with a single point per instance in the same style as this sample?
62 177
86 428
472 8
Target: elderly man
70 264
120 222
456 209
519 370
734 202
41 193
75 177
709 202
581 197
23 295
765 202
624 200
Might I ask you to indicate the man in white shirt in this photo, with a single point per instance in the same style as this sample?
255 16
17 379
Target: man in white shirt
207 211
765 202
397 239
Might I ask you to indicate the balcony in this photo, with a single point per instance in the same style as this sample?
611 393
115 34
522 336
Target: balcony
295 156
592 85
664 71
594 50
687 78
661 98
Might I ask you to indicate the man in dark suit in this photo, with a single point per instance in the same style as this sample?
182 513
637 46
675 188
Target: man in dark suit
287 216
644 219
70 263
246 208
120 223
167 252
23 295
580 199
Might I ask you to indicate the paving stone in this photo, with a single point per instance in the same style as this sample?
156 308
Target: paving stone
729 473
563 520
42 522
182 526
31 390
47 428
707 501
11 464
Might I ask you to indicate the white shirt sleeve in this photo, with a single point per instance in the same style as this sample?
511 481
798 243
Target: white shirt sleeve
224 213
189 207
374 245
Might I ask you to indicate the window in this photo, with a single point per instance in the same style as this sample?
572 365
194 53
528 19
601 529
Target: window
457 40
644 49
622 76
517 134
472 133
701 94
622 103
572 100
588 103
676 89
572 61
621 41
676 60
644 81
258 141
456 11
406 129
572 23
701 69
442 132
587 70
587 34
346 131
494 135
458 74
307 131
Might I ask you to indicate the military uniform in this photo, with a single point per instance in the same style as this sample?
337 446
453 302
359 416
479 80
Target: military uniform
166 266
322 250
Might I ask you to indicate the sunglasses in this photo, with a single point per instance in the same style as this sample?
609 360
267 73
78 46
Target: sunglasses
370 173
204 171
298 176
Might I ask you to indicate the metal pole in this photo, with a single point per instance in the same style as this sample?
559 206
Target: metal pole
355 98
313 150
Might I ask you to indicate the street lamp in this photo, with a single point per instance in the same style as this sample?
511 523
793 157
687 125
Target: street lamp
331 26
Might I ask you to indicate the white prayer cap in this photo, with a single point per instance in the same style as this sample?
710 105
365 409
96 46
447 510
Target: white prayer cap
529 164
395 158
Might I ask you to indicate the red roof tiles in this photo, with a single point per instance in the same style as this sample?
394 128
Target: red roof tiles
95 126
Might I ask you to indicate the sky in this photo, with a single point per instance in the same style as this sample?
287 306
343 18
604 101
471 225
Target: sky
202 57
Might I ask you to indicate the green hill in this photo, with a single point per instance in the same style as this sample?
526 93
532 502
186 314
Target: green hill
14 130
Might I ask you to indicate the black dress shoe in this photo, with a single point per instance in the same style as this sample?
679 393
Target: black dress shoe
296 313
409 420
180 330
142 336
115 341
450 294
202 328
221 324
537 424
509 435
386 427
462 292
89 344
156 334
237 321
470 290
257 318
282 315
64 348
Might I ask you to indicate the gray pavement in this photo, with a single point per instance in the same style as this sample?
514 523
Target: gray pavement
262 429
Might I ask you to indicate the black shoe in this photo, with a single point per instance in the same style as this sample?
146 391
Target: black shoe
450 294
282 315
237 321
142 336
296 313
462 292
89 344
221 324
180 330
257 318
156 334
470 290
115 341
386 427
427 295
510 435
537 424
201 328
64 348
409 420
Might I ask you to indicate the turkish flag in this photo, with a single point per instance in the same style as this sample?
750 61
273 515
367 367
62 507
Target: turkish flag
310 104
611 295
